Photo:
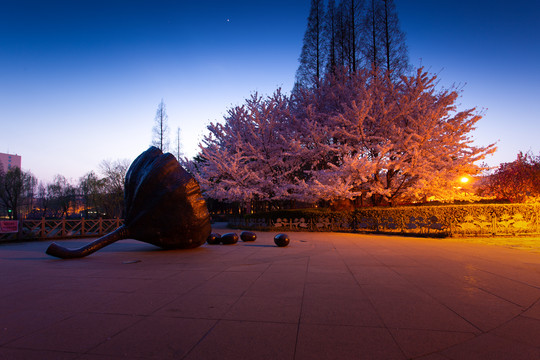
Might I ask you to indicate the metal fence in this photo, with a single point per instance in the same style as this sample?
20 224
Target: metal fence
62 228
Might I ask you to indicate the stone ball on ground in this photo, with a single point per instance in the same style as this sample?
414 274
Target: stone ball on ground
248 236
229 238
281 240
213 239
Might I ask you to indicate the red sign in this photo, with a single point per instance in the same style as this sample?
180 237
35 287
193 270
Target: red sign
9 226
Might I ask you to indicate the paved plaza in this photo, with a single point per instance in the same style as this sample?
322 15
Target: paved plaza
325 296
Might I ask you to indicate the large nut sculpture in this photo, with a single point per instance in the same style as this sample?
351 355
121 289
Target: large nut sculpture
163 206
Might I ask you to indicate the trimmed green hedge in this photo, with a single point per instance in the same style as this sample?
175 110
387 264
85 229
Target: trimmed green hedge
444 220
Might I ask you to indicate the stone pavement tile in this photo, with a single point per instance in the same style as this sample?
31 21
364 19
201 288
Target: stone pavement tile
229 283
345 279
519 266
408 307
65 301
12 285
318 342
328 268
111 283
533 311
334 289
396 259
484 310
103 357
376 275
266 309
276 287
79 333
338 310
156 338
133 269
16 324
233 340
136 303
416 343
249 266
331 258
26 354
425 275
508 289
287 267
178 283
491 347
198 306
432 357
522 329
359 259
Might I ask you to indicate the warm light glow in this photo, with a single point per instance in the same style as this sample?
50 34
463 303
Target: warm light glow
464 179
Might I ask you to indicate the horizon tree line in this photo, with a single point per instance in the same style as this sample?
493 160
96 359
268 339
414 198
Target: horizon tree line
92 196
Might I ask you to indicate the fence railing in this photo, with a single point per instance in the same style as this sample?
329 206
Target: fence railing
62 228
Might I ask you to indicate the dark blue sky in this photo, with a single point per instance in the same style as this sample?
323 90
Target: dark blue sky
80 81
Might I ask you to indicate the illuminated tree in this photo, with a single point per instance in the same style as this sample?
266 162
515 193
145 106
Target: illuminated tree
516 181
253 155
388 141
361 137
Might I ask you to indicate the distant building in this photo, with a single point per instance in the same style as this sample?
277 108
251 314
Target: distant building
8 161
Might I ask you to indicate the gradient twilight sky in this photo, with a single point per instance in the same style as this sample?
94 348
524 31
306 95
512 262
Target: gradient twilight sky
80 80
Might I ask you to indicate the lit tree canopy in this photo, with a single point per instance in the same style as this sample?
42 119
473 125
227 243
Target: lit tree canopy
357 136
516 181
390 140
252 155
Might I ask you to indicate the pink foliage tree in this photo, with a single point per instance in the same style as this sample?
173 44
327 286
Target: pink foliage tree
252 155
360 136
390 141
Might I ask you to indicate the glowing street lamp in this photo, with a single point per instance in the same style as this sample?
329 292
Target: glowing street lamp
464 180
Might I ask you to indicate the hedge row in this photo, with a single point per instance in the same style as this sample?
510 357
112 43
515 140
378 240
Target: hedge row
449 220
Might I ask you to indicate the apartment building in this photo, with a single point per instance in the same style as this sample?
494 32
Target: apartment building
8 161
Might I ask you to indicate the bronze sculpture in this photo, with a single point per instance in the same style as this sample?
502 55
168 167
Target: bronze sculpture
229 238
248 236
163 206
281 240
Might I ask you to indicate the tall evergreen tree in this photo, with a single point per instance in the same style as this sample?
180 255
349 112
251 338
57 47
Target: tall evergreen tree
395 49
331 34
348 33
372 44
312 57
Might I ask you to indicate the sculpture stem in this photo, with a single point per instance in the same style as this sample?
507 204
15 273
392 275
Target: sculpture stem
65 253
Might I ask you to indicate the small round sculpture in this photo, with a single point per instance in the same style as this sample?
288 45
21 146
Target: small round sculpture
281 240
248 236
213 239
229 238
